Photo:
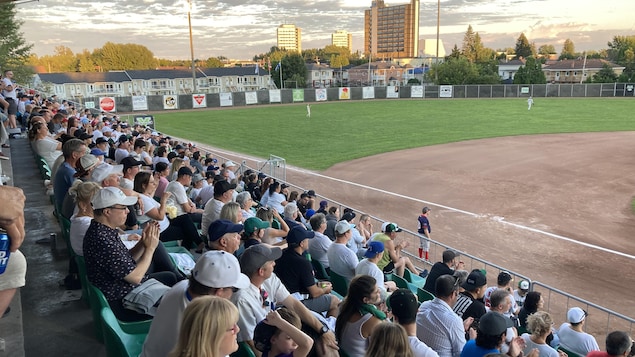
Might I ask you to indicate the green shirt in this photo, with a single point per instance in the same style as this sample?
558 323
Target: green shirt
385 259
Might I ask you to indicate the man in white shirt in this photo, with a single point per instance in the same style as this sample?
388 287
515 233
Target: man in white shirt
369 266
341 259
223 193
571 334
9 94
404 306
215 273
185 208
319 245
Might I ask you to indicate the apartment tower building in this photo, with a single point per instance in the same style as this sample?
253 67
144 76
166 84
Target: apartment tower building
342 38
392 31
290 37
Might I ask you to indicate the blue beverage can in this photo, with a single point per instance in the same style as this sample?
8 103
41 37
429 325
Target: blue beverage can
4 250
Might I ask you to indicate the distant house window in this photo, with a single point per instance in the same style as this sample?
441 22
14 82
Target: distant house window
557 74
585 74
566 73
575 73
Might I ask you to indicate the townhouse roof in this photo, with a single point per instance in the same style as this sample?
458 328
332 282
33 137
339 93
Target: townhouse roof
578 64
84 77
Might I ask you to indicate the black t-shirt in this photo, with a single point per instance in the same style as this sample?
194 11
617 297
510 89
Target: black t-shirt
436 271
466 306
295 271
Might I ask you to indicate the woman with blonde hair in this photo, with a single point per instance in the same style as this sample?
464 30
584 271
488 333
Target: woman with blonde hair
231 212
209 329
389 340
272 235
539 325
174 169
82 193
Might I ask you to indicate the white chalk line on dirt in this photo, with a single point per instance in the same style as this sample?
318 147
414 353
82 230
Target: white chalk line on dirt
496 218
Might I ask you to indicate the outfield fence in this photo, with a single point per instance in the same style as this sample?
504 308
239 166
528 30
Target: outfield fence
600 321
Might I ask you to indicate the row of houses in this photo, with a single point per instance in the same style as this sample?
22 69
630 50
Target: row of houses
76 85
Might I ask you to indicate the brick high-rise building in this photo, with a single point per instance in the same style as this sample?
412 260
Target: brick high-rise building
342 38
392 31
290 37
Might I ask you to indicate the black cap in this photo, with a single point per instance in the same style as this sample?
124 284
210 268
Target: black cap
185 171
403 303
129 162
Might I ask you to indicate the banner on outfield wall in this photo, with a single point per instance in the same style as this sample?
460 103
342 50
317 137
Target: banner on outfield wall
345 93
368 93
89 105
320 95
170 102
144 120
524 90
199 101
416 92
139 102
274 96
107 104
298 95
226 100
392 92
251 98
445 91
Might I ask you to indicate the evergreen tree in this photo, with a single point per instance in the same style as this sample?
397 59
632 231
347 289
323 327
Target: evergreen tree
523 48
605 75
14 51
530 73
546 50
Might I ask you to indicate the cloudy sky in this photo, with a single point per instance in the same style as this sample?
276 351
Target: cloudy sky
242 28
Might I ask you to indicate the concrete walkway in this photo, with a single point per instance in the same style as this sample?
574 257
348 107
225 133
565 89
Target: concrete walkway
43 321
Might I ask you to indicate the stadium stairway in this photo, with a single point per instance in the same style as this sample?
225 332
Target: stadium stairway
45 319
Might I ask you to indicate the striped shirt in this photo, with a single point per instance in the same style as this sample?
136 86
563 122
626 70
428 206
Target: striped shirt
440 328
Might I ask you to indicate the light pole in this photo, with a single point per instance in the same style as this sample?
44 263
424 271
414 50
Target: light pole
189 21
436 70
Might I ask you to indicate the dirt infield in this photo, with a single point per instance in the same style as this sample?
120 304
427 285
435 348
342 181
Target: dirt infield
575 185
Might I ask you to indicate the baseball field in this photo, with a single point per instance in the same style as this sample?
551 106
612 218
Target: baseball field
549 190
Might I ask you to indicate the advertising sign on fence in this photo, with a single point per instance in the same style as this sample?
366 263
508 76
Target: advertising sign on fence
392 92
524 90
107 104
89 105
199 101
170 102
274 96
445 91
251 98
139 102
298 95
144 120
368 93
416 92
226 100
345 93
320 95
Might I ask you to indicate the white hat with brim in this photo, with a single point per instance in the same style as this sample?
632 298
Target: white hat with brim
219 269
101 172
110 196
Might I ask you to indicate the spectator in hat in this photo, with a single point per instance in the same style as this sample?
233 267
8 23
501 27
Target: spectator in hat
342 260
504 281
392 259
438 326
223 193
520 294
280 334
490 337
296 273
110 266
267 291
618 344
404 305
254 231
131 168
216 273
450 262
85 137
469 304
539 326
123 148
320 244
231 167
572 335
139 152
324 206
368 266
224 235
197 185
357 241
186 210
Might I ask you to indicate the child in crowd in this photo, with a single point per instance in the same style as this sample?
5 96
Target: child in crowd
279 335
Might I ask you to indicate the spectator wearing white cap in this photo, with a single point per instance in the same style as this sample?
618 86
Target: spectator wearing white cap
215 273
521 293
571 334
342 260
231 168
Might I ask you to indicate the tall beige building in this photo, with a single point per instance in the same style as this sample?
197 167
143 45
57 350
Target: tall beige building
290 37
342 38
392 31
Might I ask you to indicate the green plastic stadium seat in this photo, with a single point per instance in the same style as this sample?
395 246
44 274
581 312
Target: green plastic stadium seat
403 284
83 277
243 351
319 270
423 295
118 342
340 285
414 278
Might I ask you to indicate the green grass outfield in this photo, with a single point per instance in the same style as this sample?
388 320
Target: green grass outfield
342 131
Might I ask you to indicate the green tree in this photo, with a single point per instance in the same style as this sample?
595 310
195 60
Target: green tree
115 56
456 53
454 71
14 51
339 61
488 72
605 75
568 50
530 73
293 69
546 50
214 62
85 62
523 48
468 48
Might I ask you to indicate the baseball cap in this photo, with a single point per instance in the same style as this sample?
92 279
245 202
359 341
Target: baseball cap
123 139
391 227
257 255
129 162
98 152
219 269
348 216
102 171
311 193
110 196
403 303
185 171
494 323
84 136
197 177
374 248
254 223
223 186
324 203
523 285
297 234
101 140
309 213
229 164
475 279
576 315
342 227
220 227
87 162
